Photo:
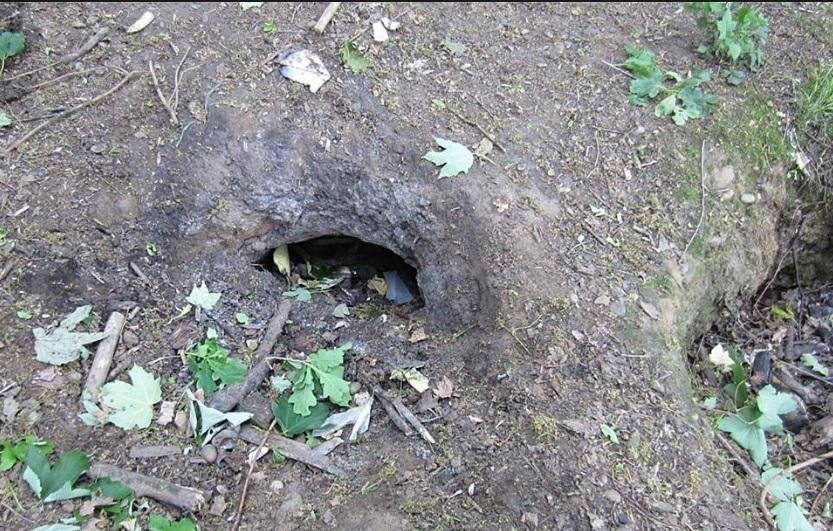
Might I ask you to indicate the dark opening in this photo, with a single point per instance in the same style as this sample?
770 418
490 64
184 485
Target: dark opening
359 265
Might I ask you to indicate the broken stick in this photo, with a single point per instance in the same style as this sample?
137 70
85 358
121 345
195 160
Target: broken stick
292 450
326 16
395 417
104 355
185 498
227 399
239 514
86 47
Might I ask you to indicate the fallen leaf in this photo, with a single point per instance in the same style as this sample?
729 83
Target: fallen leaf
306 68
444 388
455 48
280 256
140 24
341 311
132 403
418 335
380 33
49 378
416 379
359 417
89 506
353 58
5 120
63 345
200 296
206 421
649 309
454 158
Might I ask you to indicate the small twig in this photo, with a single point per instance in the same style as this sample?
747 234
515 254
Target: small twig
397 419
613 66
805 372
702 197
326 16
165 102
291 449
86 47
476 125
819 495
61 78
788 472
177 78
750 472
7 268
67 112
34 71
240 505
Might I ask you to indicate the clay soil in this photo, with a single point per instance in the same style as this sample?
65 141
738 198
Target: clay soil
556 294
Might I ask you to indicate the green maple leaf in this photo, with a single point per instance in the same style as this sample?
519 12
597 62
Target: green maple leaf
55 483
132 403
292 423
788 517
353 58
230 372
454 158
200 296
324 367
747 434
812 362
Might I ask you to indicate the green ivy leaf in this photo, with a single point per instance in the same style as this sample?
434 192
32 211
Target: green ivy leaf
784 488
610 433
300 294
813 363
735 77
748 435
647 86
11 44
772 404
292 423
788 517
200 296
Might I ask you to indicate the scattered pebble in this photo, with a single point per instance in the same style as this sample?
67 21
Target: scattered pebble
747 198
98 149
218 506
276 486
612 496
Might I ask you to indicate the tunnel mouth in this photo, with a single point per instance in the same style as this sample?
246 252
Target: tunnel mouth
354 270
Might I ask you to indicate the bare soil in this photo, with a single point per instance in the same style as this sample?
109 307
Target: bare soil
550 317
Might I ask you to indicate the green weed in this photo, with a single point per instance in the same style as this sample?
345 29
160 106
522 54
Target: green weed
815 99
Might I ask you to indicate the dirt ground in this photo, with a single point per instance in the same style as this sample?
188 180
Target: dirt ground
557 294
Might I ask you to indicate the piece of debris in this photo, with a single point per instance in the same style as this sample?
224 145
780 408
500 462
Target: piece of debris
49 378
444 388
416 379
392 25
166 413
397 291
141 23
394 415
206 421
131 404
418 335
305 67
378 285
380 33
218 505
185 498
358 416
149 452
721 359
405 414
341 311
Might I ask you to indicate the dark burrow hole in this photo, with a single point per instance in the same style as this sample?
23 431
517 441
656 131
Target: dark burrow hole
363 271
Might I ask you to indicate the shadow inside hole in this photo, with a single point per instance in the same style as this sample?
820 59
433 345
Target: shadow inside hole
357 262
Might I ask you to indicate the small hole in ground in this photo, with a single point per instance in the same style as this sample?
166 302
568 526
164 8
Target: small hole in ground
358 262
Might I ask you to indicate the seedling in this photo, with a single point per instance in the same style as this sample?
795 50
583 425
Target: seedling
738 32
683 99
211 366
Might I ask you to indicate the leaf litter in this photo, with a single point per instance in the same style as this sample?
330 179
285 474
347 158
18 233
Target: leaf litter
63 345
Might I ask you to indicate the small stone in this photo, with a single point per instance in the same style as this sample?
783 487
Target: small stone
355 387
98 149
612 496
747 198
662 507
258 477
218 506
130 339
181 420
209 453
276 486
251 344
723 178
530 519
